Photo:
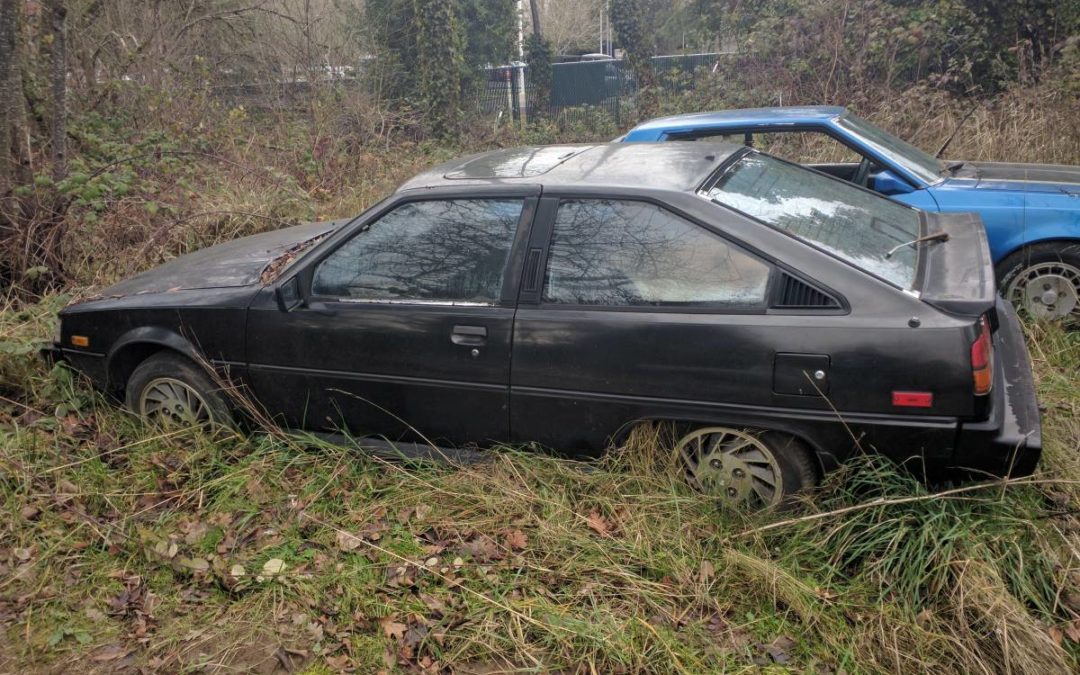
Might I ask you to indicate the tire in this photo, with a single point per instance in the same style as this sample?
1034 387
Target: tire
747 469
1043 280
167 380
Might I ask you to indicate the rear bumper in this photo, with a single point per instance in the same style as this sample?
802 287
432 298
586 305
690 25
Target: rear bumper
1009 441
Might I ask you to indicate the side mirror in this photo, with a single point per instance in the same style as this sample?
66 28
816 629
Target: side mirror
287 294
888 183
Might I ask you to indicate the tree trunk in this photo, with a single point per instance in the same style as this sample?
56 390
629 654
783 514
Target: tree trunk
626 17
58 77
10 91
535 10
440 57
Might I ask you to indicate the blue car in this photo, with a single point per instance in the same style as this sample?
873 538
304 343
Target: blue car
1031 211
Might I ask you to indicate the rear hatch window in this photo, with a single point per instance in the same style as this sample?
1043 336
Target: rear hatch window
860 227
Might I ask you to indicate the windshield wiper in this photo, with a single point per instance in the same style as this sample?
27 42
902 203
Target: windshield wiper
937 236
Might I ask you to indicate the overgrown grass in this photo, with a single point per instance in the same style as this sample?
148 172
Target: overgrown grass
123 545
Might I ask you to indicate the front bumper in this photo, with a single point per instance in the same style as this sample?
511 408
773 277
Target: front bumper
1009 441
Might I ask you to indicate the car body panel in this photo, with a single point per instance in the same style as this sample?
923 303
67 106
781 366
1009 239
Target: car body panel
235 263
575 378
1020 204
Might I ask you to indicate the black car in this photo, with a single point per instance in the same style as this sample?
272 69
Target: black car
781 318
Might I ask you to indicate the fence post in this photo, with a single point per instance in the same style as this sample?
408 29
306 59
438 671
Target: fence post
522 96
515 111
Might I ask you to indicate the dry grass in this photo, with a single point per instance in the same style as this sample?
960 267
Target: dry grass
121 545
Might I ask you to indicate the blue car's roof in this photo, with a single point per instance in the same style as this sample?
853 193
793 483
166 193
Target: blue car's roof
785 115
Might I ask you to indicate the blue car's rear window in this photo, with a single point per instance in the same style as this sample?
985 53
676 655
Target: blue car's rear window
855 225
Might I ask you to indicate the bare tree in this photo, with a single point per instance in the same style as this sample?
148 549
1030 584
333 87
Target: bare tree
534 10
569 25
58 85
9 87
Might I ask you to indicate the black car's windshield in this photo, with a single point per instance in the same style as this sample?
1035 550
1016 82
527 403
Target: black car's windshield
856 225
918 162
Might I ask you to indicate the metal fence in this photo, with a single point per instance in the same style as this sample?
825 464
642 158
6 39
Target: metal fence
584 86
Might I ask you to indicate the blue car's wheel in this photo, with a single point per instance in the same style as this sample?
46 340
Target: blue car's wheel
1043 281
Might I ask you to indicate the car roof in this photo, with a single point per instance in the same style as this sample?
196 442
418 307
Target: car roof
681 167
754 116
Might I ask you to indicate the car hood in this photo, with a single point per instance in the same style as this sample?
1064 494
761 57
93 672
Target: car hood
239 262
1028 177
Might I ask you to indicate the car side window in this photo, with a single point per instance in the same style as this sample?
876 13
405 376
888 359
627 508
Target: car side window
439 250
801 147
806 147
628 253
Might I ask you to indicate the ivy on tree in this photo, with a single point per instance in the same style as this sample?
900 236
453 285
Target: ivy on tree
626 17
440 53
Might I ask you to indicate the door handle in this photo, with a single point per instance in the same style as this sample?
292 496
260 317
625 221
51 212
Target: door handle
469 335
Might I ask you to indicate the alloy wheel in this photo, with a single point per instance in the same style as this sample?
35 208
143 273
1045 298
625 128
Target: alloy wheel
170 401
732 465
1049 291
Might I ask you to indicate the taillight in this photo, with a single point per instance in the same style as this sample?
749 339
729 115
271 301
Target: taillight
982 359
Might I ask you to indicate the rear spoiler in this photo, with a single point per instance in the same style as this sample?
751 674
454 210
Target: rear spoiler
958 273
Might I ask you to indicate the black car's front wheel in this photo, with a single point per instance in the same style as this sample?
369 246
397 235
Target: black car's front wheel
746 469
171 390
1043 280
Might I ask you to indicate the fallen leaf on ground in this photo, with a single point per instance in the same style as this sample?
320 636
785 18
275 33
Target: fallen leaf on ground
347 541
273 567
1072 631
110 653
393 629
516 540
706 571
193 564
483 548
598 524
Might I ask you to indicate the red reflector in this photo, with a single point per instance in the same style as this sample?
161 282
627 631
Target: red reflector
912 399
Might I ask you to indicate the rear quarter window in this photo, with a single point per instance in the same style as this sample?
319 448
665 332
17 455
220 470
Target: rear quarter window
857 226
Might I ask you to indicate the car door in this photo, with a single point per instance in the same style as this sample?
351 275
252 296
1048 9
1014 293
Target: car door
619 310
404 327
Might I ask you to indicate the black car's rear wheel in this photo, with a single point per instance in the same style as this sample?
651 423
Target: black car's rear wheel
1044 281
748 470
173 391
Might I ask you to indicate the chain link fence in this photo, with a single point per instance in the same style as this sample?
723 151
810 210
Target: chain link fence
581 88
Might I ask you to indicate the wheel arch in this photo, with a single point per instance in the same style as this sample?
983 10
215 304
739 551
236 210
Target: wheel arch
1030 240
137 345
